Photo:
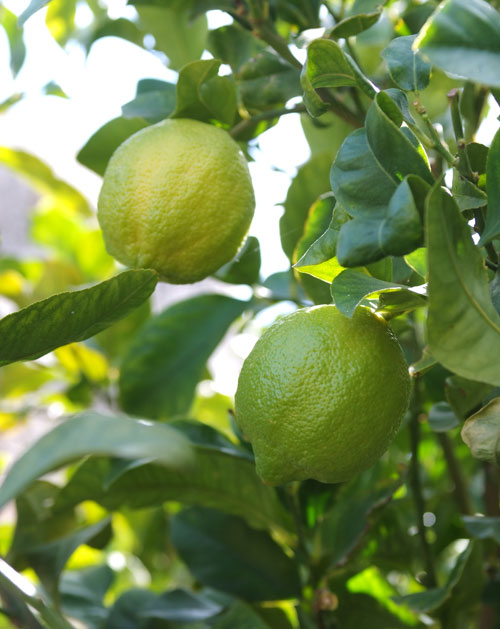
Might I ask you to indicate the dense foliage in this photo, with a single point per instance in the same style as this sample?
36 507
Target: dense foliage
164 523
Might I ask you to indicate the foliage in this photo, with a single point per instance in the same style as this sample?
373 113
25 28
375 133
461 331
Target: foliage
155 517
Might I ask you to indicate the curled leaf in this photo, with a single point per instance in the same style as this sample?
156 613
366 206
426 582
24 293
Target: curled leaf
481 433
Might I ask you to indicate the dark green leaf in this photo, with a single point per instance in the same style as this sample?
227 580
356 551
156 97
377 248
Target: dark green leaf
395 150
245 267
240 615
463 37
328 66
441 417
82 592
33 7
466 194
71 317
361 610
152 105
365 6
482 527
320 260
99 148
481 433
394 303
463 327
91 433
346 523
203 95
219 479
351 287
365 240
358 180
310 182
167 358
492 226
354 24
181 38
115 28
48 560
181 606
433 598
495 291
406 67
266 81
126 610
223 552
465 395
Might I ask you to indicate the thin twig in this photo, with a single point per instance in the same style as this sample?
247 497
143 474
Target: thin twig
245 124
460 490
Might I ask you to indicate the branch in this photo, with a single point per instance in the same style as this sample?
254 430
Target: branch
245 124
460 490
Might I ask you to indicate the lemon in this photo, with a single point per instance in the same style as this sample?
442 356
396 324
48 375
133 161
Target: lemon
321 396
177 197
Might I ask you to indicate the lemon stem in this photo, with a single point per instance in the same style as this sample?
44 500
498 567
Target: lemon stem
245 124
416 487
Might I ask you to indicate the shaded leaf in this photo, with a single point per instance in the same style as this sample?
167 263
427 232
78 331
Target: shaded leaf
406 67
466 194
354 24
70 317
15 36
166 359
223 552
181 606
434 597
464 396
91 433
99 148
351 287
152 102
245 267
82 592
481 433
463 37
203 95
463 327
492 225
33 7
482 527
240 615
234 45
441 417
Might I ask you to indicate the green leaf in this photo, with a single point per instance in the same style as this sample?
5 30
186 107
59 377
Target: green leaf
482 527
466 194
400 231
203 95
92 433
181 606
396 151
220 479
223 552
354 24
126 610
492 226
441 417
181 38
463 37
265 81
82 592
167 358
328 66
406 67
233 45
481 433
417 260
114 28
463 327
99 148
33 7
358 180
70 317
241 615
350 287
245 267
15 36
465 396
320 260
153 101
60 20
345 524
422 602
48 560
310 182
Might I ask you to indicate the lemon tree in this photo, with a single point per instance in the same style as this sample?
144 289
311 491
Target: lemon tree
306 446
177 198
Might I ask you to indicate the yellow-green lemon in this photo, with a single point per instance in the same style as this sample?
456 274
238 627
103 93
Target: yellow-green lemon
321 396
177 197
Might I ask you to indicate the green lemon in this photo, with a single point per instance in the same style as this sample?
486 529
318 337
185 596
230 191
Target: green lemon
177 197
321 396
